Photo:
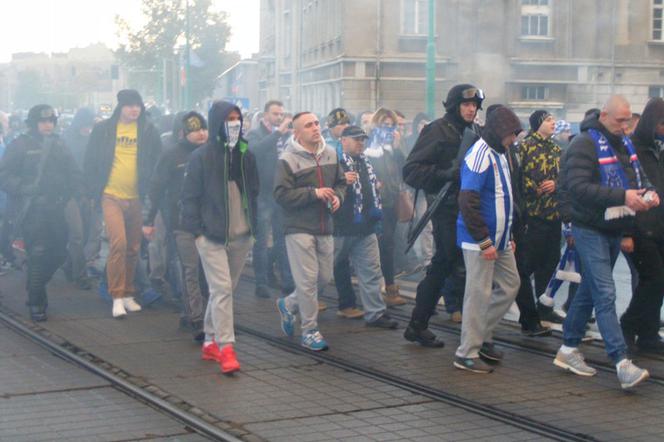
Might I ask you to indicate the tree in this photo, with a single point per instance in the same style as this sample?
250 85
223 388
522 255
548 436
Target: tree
163 38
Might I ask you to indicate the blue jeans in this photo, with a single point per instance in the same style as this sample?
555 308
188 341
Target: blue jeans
598 253
364 254
269 221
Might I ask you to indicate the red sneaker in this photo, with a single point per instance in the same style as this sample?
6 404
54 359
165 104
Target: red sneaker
228 361
211 352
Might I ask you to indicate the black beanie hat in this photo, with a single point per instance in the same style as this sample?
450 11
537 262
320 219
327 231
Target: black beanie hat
537 118
193 121
40 112
128 97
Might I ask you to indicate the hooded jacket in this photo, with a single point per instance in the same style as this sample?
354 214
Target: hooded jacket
205 208
433 161
100 153
585 197
485 178
651 223
299 173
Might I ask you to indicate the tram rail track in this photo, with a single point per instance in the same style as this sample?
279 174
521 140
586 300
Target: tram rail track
200 422
439 395
75 355
531 348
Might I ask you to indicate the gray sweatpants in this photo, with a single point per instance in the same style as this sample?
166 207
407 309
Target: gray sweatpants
310 258
491 287
222 266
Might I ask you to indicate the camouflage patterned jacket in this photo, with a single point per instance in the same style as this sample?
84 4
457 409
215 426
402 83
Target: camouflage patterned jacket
540 161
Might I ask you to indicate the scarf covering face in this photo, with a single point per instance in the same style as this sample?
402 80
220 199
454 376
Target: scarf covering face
611 171
350 165
233 129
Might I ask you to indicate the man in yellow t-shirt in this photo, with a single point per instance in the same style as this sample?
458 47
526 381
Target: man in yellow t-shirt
119 160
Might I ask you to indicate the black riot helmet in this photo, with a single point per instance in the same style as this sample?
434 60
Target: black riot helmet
462 93
41 112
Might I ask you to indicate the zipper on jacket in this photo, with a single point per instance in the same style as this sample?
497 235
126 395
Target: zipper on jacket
319 172
245 199
227 208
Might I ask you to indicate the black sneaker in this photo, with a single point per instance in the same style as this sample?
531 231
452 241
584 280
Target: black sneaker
489 352
262 291
475 365
423 336
651 346
384 322
537 330
547 314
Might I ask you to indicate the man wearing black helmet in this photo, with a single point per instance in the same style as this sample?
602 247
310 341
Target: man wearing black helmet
40 174
431 164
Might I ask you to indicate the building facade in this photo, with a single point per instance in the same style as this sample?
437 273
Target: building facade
80 77
562 55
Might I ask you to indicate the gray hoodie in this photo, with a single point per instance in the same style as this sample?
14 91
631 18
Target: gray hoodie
298 174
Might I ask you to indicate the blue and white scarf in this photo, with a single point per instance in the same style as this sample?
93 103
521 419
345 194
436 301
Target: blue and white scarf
376 212
568 270
611 170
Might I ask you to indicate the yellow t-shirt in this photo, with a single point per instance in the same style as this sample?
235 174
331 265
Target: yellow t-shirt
123 182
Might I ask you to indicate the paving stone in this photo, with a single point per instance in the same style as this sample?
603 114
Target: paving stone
279 395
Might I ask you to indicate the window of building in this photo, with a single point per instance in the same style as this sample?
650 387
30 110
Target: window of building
536 18
534 93
657 16
656 91
414 17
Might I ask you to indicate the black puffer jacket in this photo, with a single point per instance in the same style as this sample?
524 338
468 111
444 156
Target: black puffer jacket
587 198
100 153
434 158
651 223
204 203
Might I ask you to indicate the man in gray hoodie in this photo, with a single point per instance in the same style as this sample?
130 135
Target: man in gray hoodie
309 186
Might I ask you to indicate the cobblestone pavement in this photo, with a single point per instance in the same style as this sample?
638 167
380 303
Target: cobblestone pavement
45 398
281 395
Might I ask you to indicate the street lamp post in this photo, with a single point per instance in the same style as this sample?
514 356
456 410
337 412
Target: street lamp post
431 64
187 58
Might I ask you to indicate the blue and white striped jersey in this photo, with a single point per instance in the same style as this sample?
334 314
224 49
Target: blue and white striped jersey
487 172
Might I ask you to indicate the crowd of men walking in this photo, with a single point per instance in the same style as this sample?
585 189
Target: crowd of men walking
309 203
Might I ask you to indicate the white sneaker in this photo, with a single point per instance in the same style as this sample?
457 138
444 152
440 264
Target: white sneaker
629 375
119 308
130 304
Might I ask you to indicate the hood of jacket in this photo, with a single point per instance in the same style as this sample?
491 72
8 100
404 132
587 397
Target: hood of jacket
295 147
217 116
652 115
499 124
